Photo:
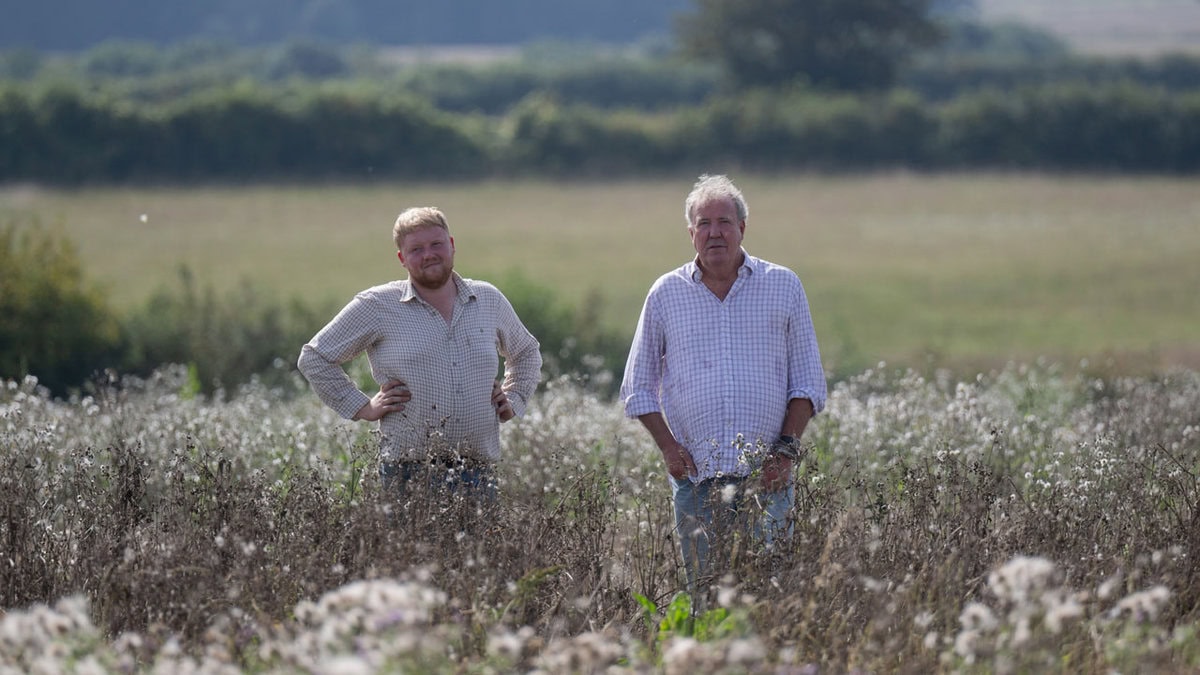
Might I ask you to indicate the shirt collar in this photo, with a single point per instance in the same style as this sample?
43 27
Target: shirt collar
466 290
749 265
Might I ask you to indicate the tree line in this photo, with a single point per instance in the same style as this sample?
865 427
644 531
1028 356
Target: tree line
63 136
918 90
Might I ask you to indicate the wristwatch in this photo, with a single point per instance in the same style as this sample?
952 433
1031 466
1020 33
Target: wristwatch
786 446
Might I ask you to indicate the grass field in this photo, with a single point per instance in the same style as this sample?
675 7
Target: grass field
959 270
1124 27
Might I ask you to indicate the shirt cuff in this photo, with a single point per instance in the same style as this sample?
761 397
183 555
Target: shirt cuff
518 403
351 404
818 403
640 404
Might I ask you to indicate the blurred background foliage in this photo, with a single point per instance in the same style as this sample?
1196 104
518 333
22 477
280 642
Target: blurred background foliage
57 326
52 322
273 91
926 88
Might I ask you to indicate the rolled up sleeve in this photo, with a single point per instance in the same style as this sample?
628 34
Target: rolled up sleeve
641 383
344 337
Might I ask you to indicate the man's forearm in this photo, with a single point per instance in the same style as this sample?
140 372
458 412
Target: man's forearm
795 420
331 383
519 385
656 424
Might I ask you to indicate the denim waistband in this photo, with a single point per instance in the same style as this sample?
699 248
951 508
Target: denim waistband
447 461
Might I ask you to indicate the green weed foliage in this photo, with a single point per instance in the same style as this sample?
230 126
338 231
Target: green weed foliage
1025 520
224 339
680 619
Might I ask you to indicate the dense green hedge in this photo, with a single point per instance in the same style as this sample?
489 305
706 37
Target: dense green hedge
952 77
1121 128
64 136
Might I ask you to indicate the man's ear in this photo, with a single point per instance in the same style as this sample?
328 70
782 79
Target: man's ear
400 255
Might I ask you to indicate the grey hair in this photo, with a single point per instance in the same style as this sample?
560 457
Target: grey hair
714 188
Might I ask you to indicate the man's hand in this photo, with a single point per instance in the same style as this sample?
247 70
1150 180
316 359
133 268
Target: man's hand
776 472
504 409
679 461
391 398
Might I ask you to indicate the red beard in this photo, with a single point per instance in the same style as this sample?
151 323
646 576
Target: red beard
433 278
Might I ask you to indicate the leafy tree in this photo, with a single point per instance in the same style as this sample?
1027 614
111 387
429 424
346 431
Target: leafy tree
998 42
119 58
21 63
302 58
829 44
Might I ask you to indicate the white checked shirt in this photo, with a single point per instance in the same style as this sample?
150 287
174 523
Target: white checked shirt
448 367
722 372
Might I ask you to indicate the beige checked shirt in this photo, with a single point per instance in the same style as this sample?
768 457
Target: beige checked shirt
448 367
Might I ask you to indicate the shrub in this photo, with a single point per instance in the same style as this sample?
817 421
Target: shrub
573 340
225 339
53 325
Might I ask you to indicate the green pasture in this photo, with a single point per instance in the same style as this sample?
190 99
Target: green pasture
960 270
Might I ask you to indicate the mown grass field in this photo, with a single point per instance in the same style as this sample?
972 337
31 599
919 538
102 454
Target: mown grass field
968 271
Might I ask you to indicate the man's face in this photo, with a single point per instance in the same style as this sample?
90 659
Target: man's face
428 255
717 233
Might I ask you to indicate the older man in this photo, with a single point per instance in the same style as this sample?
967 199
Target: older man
725 374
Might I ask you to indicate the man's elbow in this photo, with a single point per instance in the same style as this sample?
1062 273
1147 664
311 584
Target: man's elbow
308 362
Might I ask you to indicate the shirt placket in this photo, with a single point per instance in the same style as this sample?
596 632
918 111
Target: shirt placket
728 379
729 374
455 352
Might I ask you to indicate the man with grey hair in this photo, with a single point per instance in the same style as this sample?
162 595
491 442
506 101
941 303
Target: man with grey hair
434 343
725 374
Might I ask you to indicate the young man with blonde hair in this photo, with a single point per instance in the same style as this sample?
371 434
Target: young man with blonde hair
434 343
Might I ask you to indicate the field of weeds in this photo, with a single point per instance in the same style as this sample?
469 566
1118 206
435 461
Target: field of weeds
1023 521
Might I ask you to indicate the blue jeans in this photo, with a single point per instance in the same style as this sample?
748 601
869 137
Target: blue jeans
720 510
468 480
